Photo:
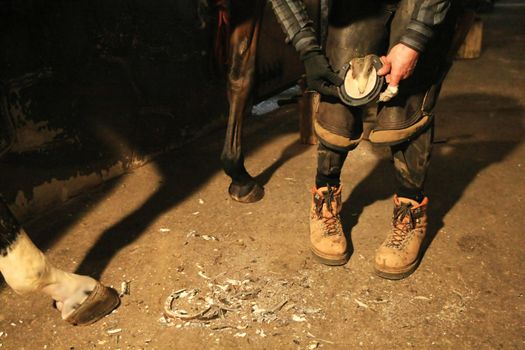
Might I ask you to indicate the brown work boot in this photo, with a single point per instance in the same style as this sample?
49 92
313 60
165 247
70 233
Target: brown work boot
398 256
327 239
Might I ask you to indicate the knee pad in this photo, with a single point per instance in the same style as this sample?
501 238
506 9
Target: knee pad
404 118
334 141
338 127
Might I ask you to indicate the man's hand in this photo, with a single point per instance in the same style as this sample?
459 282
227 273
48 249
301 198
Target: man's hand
398 64
320 76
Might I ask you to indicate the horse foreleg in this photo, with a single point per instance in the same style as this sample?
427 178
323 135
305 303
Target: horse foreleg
26 269
243 43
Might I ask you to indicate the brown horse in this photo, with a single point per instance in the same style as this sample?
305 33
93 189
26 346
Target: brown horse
245 19
252 55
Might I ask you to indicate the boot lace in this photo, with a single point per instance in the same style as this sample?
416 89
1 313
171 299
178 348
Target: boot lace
402 227
330 223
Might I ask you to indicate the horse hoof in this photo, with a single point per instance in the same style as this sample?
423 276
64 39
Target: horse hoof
243 194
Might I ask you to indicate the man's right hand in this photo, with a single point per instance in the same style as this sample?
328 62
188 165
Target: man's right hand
319 74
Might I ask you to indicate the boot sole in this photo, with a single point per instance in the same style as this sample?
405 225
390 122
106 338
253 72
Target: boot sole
330 261
397 274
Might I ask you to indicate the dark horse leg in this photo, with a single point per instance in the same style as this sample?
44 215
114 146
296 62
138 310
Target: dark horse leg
245 22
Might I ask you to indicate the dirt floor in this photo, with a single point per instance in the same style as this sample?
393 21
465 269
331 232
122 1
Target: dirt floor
171 225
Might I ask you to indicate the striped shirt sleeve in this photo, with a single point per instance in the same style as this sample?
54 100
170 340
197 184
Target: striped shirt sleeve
292 15
427 15
297 26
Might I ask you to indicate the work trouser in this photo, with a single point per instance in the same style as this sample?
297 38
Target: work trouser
405 123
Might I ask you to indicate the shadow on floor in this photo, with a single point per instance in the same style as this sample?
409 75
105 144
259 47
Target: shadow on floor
293 150
488 129
183 173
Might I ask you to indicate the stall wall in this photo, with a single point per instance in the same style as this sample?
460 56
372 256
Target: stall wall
91 89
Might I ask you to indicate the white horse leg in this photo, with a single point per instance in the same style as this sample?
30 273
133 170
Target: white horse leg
26 269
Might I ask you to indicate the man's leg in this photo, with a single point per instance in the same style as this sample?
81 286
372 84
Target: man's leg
329 165
398 256
411 161
327 238
406 124
338 127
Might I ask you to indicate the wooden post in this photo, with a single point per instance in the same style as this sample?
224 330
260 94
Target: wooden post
471 47
308 105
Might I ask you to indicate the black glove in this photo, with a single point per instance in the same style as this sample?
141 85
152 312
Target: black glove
319 74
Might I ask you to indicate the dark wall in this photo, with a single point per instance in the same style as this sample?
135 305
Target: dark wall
96 87
68 62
